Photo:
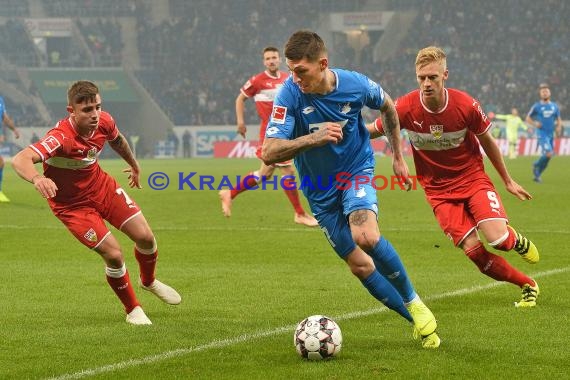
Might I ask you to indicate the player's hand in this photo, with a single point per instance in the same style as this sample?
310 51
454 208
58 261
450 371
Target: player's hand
134 175
241 129
402 172
329 133
518 191
45 186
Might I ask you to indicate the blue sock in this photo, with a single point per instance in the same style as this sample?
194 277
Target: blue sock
543 163
1 175
388 263
384 292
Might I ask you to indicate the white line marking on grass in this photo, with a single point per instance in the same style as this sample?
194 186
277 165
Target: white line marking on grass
266 333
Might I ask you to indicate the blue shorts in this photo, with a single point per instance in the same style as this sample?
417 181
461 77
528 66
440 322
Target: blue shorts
333 217
546 145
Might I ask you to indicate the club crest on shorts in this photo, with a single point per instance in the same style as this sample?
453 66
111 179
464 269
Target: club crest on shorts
436 131
91 235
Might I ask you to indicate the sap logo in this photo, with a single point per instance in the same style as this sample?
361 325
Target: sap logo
205 141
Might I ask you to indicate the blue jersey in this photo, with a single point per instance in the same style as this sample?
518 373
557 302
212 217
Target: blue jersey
296 114
547 114
2 110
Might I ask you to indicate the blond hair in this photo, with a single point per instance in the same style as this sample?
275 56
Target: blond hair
429 55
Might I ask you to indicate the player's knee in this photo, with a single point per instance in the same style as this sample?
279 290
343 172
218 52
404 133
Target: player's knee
365 241
146 241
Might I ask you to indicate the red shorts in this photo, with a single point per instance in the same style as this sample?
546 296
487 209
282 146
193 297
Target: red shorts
86 219
461 210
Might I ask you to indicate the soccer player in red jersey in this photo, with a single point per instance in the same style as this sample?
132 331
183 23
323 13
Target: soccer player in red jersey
447 129
83 196
263 87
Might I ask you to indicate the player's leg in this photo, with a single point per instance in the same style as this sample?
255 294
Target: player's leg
364 229
3 197
360 205
119 280
247 182
290 189
87 225
512 148
486 207
124 214
335 227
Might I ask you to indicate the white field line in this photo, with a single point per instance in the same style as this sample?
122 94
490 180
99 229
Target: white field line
216 344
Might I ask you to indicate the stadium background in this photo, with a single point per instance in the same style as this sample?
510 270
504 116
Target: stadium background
172 65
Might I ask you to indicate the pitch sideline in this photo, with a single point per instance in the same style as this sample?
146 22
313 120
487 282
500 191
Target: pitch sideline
262 334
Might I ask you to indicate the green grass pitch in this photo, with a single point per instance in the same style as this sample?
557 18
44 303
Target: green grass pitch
246 282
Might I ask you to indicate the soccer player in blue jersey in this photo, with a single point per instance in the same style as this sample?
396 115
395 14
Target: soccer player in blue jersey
5 119
317 120
544 115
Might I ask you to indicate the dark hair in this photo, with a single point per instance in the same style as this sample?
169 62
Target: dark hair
305 44
270 48
82 91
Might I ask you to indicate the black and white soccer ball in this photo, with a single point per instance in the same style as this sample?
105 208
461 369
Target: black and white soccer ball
317 337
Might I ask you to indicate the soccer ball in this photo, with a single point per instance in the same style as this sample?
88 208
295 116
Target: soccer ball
317 337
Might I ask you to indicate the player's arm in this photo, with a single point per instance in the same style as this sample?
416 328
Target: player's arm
494 153
530 121
391 127
558 129
276 150
23 163
240 114
10 123
121 146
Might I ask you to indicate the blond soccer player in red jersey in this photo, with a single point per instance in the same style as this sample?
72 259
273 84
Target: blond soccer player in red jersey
447 129
263 87
83 196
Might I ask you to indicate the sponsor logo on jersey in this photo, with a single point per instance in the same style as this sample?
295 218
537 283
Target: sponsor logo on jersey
308 110
345 108
436 131
91 235
271 131
278 115
419 124
50 143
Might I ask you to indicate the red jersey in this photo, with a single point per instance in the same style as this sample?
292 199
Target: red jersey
446 151
70 160
263 87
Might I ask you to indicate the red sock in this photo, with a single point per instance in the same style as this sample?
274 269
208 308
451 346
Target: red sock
247 182
508 243
147 265
293 195
124 290
496 267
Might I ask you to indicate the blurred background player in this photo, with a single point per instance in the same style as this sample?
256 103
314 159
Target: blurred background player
332 140
5 119
447 128
263 87
513 123
82 196
544 116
